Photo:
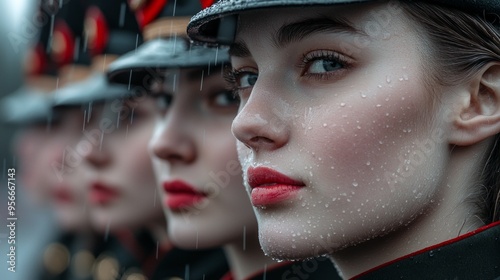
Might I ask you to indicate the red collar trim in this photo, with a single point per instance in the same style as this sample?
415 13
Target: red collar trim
433 247
229 275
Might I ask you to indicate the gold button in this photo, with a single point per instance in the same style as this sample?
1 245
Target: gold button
106 269
135 276
82 263
56 258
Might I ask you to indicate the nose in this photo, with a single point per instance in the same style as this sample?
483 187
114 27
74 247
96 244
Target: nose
172 141
92 148
259 125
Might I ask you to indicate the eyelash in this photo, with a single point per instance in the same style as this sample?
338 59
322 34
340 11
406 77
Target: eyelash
309 57
231 76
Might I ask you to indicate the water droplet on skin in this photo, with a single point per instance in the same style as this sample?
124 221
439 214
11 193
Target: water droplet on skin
388 79
378 106
325 125
405 77
367 163
431 253
380 86
363 95
342 104
354 184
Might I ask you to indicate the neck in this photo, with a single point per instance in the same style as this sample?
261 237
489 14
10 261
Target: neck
246 257
449 215
159 232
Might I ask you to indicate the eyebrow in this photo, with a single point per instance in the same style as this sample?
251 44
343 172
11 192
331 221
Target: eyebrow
298 30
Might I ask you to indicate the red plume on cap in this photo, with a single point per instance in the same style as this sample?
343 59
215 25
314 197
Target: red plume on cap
147 10
63 43
207 3
96 30
36 62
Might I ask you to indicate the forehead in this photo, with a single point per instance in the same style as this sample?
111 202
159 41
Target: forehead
371 20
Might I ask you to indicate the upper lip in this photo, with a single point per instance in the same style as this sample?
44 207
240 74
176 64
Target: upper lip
179 186
264 176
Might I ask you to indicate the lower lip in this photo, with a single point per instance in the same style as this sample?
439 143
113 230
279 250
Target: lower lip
178 201
101 197
63 197
273 194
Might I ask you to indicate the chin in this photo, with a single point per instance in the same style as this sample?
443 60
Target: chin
286 239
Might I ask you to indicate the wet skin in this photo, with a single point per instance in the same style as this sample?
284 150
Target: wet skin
193 143
119 175
343 107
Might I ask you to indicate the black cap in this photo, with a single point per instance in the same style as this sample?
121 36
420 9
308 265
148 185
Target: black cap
160 54
26 106
93 89
111 27
217 24
66 42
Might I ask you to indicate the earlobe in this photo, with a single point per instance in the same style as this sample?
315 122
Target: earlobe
479 118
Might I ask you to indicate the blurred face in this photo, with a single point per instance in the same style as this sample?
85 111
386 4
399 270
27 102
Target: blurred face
57 162
29 146
339 140
119 176
196 163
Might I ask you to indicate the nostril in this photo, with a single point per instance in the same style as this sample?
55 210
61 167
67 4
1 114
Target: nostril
261 140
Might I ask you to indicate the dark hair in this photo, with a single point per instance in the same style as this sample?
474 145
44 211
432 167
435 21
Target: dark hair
462 44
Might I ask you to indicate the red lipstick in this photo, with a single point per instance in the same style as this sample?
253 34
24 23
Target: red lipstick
181 195
271 187
102 194
62 195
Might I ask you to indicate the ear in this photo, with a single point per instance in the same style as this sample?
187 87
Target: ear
479 115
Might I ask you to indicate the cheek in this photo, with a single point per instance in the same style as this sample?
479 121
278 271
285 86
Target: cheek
368 138
135 154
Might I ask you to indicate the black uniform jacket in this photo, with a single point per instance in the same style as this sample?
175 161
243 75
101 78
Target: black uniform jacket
475 255
320 268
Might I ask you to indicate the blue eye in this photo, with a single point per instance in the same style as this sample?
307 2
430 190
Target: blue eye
163 101
224 99
324 65
246 79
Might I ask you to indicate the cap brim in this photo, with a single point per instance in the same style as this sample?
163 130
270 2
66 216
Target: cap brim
206 26
26 106
93 89
161 54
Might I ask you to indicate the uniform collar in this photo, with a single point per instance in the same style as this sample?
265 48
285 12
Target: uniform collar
474 255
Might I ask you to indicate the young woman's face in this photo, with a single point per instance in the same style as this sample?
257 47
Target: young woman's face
29 146
196 163
120 179
339 139
59 174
